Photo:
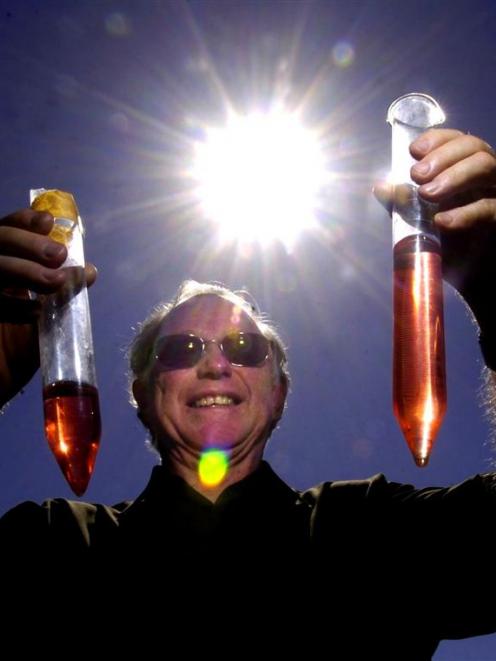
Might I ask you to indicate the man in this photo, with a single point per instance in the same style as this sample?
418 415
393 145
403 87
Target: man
250 561
243 360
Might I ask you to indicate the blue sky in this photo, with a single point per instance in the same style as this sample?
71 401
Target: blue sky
105 98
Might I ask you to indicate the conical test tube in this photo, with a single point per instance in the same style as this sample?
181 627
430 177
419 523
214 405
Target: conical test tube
70 395
419 367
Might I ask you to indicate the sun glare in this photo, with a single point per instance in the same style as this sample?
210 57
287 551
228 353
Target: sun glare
259 178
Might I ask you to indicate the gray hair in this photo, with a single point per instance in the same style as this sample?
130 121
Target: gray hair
141 349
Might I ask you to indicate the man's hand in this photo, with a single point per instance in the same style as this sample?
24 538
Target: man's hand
458 172
28 261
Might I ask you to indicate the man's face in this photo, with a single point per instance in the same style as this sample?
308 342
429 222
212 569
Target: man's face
170 408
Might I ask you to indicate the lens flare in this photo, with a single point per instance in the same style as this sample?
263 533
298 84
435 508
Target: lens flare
343 54
212 467
117 25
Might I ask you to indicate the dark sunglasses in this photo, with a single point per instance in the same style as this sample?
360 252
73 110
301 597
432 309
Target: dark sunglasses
241 349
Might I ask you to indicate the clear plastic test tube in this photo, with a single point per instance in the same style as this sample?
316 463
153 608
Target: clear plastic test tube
419 368
70 395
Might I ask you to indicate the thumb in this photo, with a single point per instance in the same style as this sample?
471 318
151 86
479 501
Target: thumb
90 273
383 192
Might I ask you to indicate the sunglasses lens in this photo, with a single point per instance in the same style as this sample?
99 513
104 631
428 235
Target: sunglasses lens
247 349
178 351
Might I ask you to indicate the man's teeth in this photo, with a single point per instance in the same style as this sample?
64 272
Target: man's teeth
210 401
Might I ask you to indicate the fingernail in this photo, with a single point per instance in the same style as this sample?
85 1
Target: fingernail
422 167
54 276
421 145
53 250
444 218
431 188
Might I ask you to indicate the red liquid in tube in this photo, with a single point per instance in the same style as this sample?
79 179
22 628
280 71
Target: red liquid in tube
73 428
419 373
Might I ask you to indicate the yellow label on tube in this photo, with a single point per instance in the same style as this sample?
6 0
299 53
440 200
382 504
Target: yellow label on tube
63 208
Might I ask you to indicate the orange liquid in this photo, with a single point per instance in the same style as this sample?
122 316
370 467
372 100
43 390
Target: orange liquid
419 369
72 427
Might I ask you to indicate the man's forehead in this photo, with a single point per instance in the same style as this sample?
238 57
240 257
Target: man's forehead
208 313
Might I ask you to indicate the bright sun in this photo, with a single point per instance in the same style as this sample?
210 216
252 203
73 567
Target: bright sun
259 177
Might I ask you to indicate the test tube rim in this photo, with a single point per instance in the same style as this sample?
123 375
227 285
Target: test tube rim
391 119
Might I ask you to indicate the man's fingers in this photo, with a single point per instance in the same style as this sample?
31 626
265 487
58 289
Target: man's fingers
31 261
476 171
17 272
383 192
16 306
28 258
21 273
468 215
17 242
432 139
40 222
449 154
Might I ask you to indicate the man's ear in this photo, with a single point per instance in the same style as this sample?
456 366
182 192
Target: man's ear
139 392
141 396
280 394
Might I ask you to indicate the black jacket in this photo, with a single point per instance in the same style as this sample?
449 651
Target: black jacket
345 570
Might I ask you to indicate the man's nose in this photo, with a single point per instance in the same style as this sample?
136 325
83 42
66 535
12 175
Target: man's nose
213 363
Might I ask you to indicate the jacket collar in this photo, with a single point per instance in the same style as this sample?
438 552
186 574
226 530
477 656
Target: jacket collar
263 487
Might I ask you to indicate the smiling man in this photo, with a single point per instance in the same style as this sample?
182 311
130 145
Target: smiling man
214 382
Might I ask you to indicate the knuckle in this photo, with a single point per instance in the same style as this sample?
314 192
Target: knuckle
430 133
19 217
447 133
471 141
39 222
487 208
486 162
491 208
7 235
42 280
477 145
20 243
485 146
